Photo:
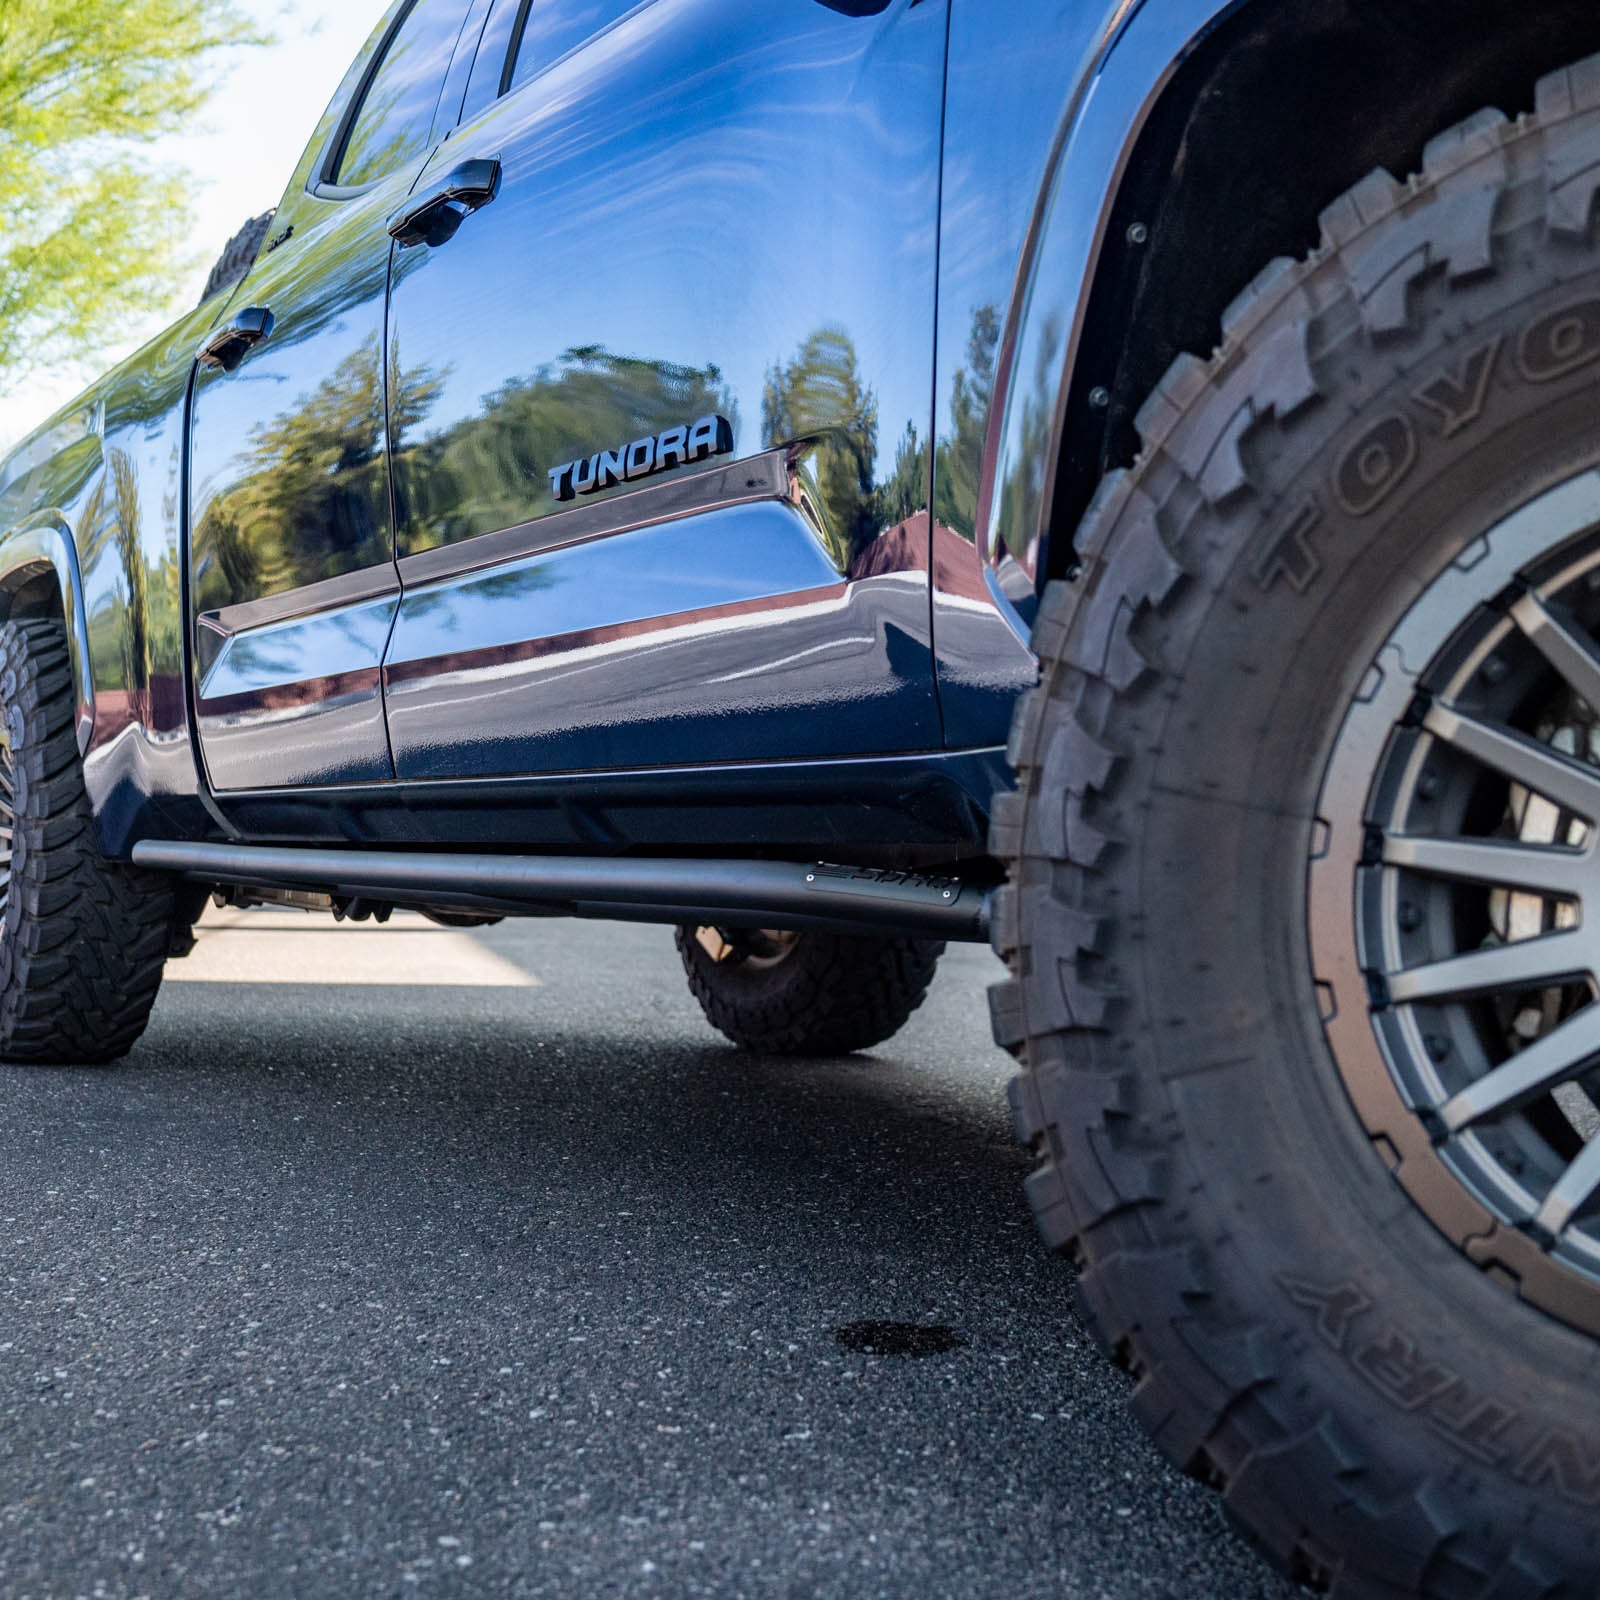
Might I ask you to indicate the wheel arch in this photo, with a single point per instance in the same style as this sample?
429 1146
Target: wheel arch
1260 113
40 577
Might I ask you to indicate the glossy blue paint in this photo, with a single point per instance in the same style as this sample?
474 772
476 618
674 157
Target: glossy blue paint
717 637
108 471
341 642
695 215
647 260
651 256
289 489
686 565
53 472
301 696
1029 178
1127 55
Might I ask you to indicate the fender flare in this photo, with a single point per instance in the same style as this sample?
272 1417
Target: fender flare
42 547
1137 50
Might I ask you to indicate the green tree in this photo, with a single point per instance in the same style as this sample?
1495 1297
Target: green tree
93 230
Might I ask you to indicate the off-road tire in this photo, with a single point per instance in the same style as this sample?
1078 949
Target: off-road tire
238 255
1378 1406
82 939
826 995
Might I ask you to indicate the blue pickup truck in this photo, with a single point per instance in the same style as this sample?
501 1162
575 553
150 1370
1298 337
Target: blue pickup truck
1118 478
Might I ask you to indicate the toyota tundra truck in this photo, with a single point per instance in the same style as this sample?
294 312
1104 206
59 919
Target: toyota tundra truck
1116 478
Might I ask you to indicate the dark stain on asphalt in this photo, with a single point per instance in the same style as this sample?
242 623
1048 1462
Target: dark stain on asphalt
899 1338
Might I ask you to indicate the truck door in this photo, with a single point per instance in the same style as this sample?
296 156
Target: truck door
292 578
660 390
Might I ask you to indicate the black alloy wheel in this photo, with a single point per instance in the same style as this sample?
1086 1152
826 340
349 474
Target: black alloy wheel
1461 862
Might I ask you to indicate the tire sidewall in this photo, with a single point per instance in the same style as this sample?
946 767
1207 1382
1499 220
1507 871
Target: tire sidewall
1425 1361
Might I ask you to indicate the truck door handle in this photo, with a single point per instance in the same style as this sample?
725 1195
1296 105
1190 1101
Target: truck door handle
227 346
435 219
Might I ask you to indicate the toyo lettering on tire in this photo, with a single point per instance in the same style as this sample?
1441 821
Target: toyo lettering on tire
1304 911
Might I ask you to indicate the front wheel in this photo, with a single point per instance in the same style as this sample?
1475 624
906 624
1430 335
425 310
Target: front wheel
806 994
1304 912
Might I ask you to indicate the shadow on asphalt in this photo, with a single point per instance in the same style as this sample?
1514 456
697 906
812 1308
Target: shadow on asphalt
361 1289
920 1169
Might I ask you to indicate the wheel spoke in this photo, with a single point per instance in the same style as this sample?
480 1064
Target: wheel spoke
1521 965
1539 869
1569 652
1558 1057
1570 784
1574 1186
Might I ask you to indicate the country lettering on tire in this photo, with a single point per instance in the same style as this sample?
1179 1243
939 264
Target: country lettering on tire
1395 1365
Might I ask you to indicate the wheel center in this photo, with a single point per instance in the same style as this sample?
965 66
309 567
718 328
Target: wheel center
1455 902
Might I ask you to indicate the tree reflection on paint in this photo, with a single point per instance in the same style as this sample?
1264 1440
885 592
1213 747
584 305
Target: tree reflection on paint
492 470
960 465
818 394
311 498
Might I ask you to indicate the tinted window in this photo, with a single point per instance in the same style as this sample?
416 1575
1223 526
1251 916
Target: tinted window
396 117
553 27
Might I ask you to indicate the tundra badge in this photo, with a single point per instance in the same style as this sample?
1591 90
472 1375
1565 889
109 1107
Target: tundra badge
677 447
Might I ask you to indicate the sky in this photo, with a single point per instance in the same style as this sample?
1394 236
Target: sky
239 159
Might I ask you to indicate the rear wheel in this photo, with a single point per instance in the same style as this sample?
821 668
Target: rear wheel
1302 859
82 939
806 994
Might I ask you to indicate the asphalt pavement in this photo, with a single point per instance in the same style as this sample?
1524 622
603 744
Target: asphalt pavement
410 1261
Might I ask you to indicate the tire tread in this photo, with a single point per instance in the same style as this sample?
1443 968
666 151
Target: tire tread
831 995
84 939
1102 1190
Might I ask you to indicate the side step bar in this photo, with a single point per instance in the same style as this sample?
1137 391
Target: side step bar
737 894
